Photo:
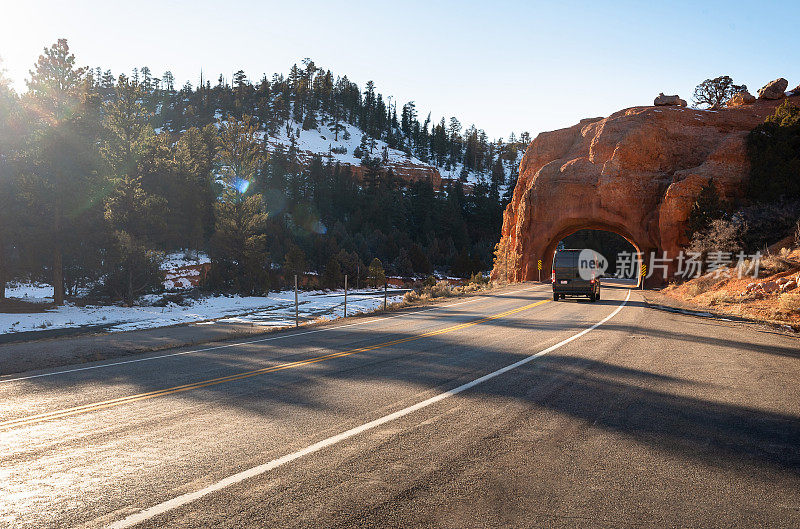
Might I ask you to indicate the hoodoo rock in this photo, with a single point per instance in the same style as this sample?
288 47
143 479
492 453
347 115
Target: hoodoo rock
636 173
741 98
773 89
664 101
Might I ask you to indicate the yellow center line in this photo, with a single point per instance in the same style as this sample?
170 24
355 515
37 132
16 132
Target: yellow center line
33 419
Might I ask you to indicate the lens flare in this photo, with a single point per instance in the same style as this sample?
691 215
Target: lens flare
241 185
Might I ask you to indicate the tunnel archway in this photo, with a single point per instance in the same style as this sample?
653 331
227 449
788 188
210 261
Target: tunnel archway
619 253
572 228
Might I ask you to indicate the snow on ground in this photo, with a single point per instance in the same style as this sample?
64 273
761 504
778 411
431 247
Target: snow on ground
274 310
181 259
455 171
30 292
321 140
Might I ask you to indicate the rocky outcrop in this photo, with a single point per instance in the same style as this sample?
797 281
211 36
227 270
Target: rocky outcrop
403 170
636 173
773 89
665 101
741 98
406 171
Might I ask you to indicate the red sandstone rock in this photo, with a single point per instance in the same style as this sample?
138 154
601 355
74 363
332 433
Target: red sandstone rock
773 89
664 101
741 98
636 172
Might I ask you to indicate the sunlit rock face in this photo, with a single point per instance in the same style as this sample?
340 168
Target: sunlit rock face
636 172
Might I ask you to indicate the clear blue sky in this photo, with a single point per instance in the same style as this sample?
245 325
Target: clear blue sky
505 66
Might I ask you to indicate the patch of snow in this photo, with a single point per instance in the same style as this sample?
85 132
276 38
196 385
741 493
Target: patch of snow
273 310
180 259
31 292
321 141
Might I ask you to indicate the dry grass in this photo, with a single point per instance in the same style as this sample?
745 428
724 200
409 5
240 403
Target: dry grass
722 297
777 263
443 289
729 295
701 285
790 302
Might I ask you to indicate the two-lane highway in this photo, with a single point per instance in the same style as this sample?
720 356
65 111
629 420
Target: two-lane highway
502 409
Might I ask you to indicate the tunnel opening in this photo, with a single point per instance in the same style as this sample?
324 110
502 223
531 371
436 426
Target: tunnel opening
614 247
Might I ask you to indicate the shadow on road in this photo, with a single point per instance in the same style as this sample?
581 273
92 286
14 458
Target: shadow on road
646 406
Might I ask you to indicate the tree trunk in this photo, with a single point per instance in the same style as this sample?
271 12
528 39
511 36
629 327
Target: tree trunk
58 277
58 263
130 286
2 274
3 271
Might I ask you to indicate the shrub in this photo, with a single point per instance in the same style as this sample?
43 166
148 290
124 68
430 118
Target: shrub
478 279
766 223
707 207
790 301
722 235
797 233
774 152
375 274
130 269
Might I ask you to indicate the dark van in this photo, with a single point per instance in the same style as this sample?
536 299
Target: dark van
566 276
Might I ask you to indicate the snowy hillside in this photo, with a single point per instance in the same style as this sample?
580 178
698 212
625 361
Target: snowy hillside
321 141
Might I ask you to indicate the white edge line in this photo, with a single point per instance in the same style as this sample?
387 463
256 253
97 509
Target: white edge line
271 338
179 501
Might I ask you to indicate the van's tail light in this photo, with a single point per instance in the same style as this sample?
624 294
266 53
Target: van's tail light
553 276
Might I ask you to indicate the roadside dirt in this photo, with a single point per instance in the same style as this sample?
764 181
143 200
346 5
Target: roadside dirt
773 297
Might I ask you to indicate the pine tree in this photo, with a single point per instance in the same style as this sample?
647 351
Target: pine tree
65 153
498 180
194 155
239 261
376 276
240 153
169 81
134 217
294 263
10 119
332 277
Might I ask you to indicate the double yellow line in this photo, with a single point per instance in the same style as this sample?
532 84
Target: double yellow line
58 414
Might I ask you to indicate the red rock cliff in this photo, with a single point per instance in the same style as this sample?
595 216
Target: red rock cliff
636 172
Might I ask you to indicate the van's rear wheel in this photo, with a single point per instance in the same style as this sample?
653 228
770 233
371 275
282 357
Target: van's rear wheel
592 297
597 297
555 296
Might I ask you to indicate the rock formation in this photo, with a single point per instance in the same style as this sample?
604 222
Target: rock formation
773 89
636 173
406 171
665 101
741 98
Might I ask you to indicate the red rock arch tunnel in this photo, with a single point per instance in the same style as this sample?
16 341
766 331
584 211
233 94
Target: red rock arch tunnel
635 173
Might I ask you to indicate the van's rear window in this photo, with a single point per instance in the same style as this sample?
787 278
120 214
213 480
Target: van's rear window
565 260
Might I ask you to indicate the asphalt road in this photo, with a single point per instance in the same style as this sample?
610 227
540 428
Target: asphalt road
648 419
